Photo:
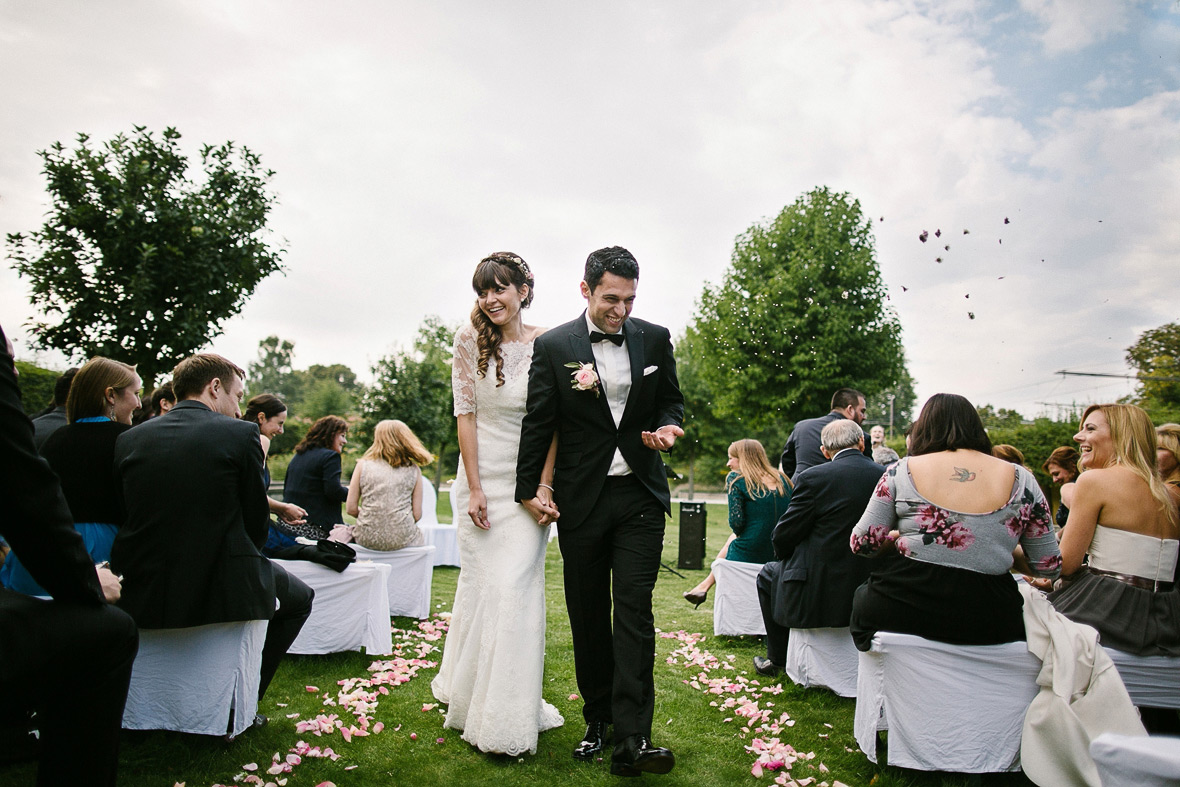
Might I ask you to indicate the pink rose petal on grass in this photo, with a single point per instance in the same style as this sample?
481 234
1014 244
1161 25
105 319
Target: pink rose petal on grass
413 736
312 689
378 727
573 697
250 766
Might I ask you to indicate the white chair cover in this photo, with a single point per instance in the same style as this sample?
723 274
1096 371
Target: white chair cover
1153 681
189 679
429 504
350 611
947 707
1125 760
411 577
735 599
445 540
823 657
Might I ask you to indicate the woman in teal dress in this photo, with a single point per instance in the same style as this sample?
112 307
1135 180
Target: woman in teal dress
758 496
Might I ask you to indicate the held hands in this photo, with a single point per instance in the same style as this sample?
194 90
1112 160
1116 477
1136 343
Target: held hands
542 508
112 586
663 438
477 509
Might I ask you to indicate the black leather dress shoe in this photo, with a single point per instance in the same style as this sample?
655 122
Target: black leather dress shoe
636 755
766 667
593 742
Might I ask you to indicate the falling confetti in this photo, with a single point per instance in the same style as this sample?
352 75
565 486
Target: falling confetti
924 236
971 315
1006 220
966 232
938 233
938 259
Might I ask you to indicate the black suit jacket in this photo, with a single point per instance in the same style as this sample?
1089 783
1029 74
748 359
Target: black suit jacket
313 483
197 516
586 432
802 448
34 517
818 571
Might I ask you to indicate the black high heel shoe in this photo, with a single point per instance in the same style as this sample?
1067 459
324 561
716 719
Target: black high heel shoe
694 598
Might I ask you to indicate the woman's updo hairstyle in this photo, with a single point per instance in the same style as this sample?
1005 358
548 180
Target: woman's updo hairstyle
501 269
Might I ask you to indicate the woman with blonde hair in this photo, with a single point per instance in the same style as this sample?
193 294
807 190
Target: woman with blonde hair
758 495
1168 457
1126 521
385 492
102 399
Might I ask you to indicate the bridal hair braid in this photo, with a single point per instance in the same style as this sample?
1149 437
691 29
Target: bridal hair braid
501 269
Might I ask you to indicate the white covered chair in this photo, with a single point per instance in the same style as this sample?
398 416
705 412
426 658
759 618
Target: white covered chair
1136 760
350 611
191 679
823 657
429 504
1153 681
445 540
735 599
411 577
946 707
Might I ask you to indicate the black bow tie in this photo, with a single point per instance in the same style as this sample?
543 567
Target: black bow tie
614 338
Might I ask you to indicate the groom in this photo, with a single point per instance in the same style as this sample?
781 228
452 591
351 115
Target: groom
605 384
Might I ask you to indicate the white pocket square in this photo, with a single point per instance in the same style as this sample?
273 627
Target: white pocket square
649 370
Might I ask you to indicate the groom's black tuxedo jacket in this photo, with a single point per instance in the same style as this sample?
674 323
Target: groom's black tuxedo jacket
197 515
586 432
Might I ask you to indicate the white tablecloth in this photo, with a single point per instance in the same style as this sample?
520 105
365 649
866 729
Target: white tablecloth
188 679
1136 761
735 598
823 657
1153 681
350 611
946 707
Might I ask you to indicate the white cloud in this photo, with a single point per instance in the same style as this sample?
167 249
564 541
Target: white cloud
1070 25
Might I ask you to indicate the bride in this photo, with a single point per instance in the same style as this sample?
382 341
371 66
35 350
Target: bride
494 657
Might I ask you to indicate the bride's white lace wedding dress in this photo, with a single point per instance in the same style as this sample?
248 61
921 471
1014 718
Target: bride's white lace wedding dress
493 661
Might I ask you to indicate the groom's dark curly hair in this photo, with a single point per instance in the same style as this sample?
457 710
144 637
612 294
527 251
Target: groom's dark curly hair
613 259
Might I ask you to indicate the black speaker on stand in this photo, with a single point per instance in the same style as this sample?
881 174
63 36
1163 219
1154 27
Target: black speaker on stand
692 536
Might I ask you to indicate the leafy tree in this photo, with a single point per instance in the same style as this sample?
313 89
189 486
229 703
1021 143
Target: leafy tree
326 397
415 387
1156 354
139 261
1002 418
274 372
877 408
801 312
36 387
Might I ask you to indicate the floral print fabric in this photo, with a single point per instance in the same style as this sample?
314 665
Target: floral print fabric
977 542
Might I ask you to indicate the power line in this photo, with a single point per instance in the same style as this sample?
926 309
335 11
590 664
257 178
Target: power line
1064 372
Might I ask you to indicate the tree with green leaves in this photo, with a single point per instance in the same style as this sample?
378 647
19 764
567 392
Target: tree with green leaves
415 387
137 260
800 312
274 371
1156 356
898 411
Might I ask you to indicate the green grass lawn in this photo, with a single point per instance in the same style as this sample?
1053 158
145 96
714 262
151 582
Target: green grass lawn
709 750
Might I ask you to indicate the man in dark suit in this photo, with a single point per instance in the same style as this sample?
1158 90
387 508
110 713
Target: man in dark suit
812 583
78 644
802 448
197 516
45 425
606 385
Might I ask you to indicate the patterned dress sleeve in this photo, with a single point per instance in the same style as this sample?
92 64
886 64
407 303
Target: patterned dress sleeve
463 370
737 504
872 531
1033 525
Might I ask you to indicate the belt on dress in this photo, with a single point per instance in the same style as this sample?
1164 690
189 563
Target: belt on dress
1140 582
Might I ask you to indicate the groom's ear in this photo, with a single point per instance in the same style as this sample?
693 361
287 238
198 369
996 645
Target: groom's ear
586 290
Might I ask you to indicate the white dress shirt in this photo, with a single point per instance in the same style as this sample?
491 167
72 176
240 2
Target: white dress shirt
614 381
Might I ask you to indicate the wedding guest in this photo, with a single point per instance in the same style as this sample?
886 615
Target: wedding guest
163 399
1009 453
385 491
882 454
1124 518
802 449
1168 457
102 400
50 422
197 516
68 659
1062 467
953 514
758 495
270 413
313 477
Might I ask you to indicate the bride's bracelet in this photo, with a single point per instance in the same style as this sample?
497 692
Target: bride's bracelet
546 486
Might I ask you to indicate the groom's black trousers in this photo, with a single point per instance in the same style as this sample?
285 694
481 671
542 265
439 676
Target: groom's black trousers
616 548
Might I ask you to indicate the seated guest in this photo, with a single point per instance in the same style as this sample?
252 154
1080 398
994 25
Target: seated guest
882 454
78 644
385 491
270 413
197 517
163 399
50 422
943 524
1168 457
313 477
1124 518
1062 467
812 583
1009 453
101 402
758 495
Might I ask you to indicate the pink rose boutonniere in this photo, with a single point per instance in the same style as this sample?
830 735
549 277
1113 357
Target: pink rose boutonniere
585 378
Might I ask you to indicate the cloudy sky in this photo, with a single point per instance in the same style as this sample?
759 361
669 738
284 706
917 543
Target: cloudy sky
411 138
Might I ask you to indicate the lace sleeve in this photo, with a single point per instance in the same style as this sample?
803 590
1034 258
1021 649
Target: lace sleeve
463 366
